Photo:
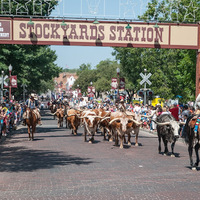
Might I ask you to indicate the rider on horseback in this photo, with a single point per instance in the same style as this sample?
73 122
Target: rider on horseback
32 103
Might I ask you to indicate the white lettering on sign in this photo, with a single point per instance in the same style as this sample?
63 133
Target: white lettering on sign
4 34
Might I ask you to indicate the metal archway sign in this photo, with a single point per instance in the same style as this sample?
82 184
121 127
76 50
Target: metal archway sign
109 33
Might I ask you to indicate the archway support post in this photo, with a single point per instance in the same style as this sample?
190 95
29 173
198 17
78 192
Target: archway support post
198 64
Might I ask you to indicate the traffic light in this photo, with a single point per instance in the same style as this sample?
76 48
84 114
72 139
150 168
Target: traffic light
6 93
140 93
150 93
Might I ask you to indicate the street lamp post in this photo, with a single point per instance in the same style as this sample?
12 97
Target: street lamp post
2 78
118 71
10 85
77 90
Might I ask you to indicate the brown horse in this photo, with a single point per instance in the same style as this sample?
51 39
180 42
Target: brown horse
31 121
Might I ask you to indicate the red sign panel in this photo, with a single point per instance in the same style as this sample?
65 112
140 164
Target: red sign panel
122 83
89 89
5 32
14 81
114 84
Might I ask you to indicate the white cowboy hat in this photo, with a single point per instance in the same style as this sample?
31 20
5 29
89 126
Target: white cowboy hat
33 95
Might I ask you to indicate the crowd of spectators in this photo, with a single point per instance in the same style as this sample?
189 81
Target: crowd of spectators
11 112
10 116
147 112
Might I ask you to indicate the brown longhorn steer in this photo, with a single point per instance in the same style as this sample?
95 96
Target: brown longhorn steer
135 128
104 123
60 115
121 124
73 120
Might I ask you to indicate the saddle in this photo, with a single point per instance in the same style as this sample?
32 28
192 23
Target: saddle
34 112
194 123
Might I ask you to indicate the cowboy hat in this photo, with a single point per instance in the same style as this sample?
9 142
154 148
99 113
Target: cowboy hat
33 95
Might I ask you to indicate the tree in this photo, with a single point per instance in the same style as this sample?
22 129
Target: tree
100 76
33 65
31 68
173 69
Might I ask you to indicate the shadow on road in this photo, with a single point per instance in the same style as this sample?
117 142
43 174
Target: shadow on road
16 159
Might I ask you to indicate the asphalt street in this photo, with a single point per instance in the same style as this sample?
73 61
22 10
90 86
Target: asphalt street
58 166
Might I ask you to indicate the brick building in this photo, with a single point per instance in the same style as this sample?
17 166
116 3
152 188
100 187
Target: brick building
65 82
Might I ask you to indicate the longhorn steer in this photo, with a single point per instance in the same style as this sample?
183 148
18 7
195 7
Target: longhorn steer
90 121
73 120
104 123
135 127
167 129
121 124
60 114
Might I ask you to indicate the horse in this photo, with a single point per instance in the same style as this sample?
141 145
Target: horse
31 121
192 139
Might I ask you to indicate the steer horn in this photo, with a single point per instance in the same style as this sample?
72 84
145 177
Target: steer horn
138 123
161 124
104 119
130 114
70 115
115 119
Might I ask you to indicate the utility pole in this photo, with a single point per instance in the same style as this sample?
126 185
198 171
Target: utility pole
24 91
2 81
144 81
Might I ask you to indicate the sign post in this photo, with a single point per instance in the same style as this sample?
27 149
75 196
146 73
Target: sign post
144 81
2 82
24 91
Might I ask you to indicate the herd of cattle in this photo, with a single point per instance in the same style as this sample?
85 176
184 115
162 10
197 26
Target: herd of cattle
118 124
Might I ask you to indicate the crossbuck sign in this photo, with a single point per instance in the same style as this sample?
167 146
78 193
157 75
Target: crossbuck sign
4 82
145 78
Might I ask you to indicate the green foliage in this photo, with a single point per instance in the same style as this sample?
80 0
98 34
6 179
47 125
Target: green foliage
173 70
47 85
31 64
70 70
167 11
83 67
100 76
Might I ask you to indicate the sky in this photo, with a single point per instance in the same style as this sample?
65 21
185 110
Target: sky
74 56
71 57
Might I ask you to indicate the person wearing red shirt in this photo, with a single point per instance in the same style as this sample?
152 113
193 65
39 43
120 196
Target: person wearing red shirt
175 111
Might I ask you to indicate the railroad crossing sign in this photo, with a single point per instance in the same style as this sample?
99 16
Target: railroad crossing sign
145 78
4 78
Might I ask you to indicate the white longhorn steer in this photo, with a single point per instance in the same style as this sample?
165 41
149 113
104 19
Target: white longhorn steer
90 122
